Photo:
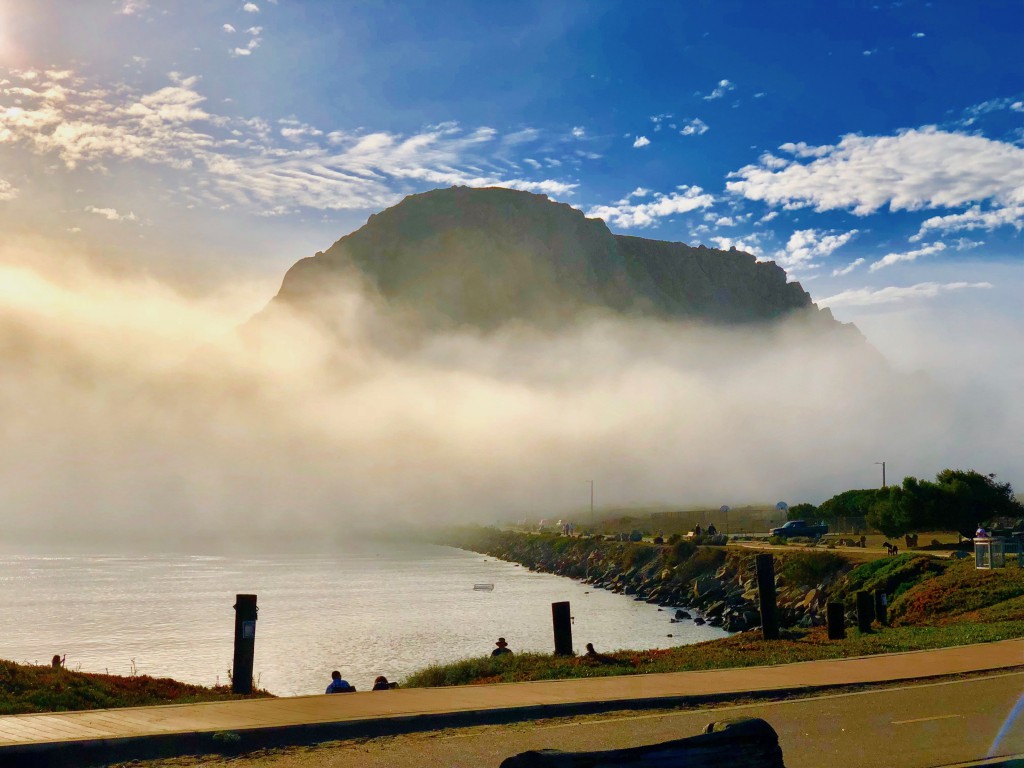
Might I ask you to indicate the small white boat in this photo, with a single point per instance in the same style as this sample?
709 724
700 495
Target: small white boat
483 587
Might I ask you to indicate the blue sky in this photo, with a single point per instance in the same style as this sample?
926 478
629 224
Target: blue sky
875 150
162 164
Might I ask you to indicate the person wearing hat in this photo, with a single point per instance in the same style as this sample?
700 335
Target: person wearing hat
502 648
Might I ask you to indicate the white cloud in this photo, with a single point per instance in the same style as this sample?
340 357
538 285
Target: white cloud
134 7
251 8
228 28
244 161
803 149
111 214
771 215
695 127
848 268
749 244
971 219
241 51
628 216
871 52
7 190
806 245
639 192
918 34
895 258
723 87
863 297
578 132
915 169
641 141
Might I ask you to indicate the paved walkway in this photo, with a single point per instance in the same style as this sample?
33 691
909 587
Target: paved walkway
262 721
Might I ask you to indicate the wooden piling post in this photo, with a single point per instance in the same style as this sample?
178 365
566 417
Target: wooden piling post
880 608
245 643
561 620
865 611
766 596
836 619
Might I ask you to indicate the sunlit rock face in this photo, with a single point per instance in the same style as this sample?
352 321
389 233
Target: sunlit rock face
485 257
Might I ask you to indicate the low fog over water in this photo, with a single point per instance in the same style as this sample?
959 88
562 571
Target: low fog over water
134 417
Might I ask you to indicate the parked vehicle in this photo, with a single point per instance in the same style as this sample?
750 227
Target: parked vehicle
800 529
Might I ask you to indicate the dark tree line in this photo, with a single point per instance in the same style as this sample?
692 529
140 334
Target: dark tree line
958 500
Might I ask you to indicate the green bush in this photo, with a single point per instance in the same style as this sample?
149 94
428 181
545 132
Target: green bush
807 569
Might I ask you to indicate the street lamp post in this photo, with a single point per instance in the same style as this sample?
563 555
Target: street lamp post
883 472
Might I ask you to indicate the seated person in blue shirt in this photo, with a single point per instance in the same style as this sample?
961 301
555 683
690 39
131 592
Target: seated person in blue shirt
338 685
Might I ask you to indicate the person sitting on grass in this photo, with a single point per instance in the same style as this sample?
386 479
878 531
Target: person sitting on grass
338 685
600 658
502 649
382 684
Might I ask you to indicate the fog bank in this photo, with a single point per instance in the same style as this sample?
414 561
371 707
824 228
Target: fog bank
134 416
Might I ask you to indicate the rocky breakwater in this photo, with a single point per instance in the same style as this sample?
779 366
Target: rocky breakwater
702 583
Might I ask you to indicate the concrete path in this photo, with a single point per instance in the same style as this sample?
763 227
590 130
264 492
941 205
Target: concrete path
165 729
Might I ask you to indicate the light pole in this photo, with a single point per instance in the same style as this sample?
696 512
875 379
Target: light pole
883 472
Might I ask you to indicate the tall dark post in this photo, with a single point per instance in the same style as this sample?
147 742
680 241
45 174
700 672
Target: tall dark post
766 596
562 622
835 616
245 643
865 611
880 608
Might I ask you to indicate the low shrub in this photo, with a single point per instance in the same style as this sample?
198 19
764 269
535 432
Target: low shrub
807 569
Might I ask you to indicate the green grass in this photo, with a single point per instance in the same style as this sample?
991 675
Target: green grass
959 590
744 650
938 603
26 688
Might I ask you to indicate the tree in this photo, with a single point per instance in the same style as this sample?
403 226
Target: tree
803 511
856 503
958 500
969 498
900 509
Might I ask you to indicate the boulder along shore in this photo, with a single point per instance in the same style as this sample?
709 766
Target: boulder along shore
711 584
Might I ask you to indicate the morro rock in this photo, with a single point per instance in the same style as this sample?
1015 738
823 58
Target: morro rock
484 257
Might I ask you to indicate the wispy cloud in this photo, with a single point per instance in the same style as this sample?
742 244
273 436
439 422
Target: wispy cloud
848 268
895 258
971 219
228 28
244 162
628 215
133 7
7 190
864 297
251 8
111 214
806 245
723 87
695 127
641 141
578 132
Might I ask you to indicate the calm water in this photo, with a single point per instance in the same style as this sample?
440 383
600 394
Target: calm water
387 609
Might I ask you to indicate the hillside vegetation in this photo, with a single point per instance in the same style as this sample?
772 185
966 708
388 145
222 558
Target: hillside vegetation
933 603
28 688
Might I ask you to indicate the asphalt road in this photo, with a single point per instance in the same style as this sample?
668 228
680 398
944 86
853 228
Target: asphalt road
921 726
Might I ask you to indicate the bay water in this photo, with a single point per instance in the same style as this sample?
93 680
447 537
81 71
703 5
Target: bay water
380 608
